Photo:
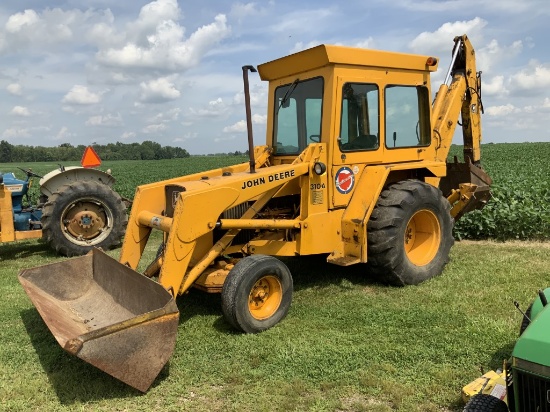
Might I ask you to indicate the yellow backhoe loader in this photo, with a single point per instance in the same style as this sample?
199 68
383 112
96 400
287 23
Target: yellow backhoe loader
354 167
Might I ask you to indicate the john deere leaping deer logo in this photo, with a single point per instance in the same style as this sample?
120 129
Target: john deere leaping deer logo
345 179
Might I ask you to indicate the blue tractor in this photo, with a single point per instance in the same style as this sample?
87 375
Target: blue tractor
77 210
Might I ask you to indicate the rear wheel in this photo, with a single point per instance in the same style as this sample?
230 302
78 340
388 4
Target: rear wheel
83 215
409 233
485 403
257 293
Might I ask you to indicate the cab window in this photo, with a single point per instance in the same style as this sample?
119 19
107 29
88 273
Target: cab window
298 116
407 116
359 121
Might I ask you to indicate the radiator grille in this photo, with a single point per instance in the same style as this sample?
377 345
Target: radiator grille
533 392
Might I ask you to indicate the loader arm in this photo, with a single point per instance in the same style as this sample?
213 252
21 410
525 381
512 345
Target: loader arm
467 185
197 210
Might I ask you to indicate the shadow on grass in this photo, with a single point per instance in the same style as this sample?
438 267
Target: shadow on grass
198 303
307 272
315 271
25 249
74 380
501 354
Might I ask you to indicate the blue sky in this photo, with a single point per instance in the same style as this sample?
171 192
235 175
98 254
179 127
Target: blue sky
170 71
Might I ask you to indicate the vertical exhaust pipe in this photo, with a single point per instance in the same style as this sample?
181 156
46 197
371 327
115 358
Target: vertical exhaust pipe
249 117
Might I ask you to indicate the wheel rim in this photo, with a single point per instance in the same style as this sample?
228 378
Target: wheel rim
86 222
265 297
422 237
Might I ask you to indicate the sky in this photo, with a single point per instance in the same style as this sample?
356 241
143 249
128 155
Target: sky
103 71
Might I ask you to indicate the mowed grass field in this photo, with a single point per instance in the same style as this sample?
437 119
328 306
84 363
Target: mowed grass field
347 344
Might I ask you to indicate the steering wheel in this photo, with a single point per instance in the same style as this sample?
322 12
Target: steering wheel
29 172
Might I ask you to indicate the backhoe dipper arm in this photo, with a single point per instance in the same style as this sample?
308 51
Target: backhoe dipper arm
462 96
466 185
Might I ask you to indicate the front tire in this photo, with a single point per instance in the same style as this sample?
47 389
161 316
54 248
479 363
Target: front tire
83 215
257 293
485 403
409 234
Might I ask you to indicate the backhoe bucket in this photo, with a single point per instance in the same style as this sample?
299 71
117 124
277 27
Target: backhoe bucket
106 314
467 173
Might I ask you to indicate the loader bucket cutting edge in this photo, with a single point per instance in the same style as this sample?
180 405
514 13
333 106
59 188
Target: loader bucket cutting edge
106 314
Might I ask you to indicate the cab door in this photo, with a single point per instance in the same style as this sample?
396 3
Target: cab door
357 131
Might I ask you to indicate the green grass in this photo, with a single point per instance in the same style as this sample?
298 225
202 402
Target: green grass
347 344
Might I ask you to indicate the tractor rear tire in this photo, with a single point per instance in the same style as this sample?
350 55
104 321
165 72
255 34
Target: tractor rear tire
485 403
257 293
409 233
82 215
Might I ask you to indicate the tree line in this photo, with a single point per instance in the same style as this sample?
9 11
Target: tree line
146 150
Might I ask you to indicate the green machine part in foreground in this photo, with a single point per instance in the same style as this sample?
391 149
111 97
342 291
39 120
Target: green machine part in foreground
524 384
530 363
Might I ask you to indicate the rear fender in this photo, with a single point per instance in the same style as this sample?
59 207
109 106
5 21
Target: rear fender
52 181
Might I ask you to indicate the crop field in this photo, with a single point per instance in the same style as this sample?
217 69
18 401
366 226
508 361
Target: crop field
348 342
520 208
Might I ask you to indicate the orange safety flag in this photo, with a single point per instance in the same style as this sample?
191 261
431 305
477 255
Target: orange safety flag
90 158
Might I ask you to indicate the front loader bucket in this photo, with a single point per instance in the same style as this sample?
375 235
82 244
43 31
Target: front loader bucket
106 314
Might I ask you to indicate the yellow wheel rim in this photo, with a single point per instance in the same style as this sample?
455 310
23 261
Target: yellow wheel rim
422 237
265 297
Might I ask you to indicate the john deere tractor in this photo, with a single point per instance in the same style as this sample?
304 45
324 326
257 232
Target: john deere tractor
523 385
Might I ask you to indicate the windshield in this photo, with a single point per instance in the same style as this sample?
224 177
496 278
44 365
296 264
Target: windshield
297 119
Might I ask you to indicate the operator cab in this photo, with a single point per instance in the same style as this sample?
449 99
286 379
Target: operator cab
363 104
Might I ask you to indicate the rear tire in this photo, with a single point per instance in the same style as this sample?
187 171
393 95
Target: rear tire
485 403
409 234
83 215
257 293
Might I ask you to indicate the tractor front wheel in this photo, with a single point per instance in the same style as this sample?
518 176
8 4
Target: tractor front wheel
485 403
83 215
409 233
257 293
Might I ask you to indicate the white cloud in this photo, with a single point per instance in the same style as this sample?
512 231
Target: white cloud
20 21
532 80
14 89
64 134
503 110
127 135
259 119
154 128
240 11
494 87
185 137
215 108
20 111
238 127
16 133
32 30
494 55
81 95
440 41
158 90
507 109
258 96
166 116
108 120
156 40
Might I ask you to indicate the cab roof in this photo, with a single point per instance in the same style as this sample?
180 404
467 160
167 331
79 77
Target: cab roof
324 55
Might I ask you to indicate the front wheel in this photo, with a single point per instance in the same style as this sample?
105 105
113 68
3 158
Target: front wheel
409 233
485 403
83 215
257 293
